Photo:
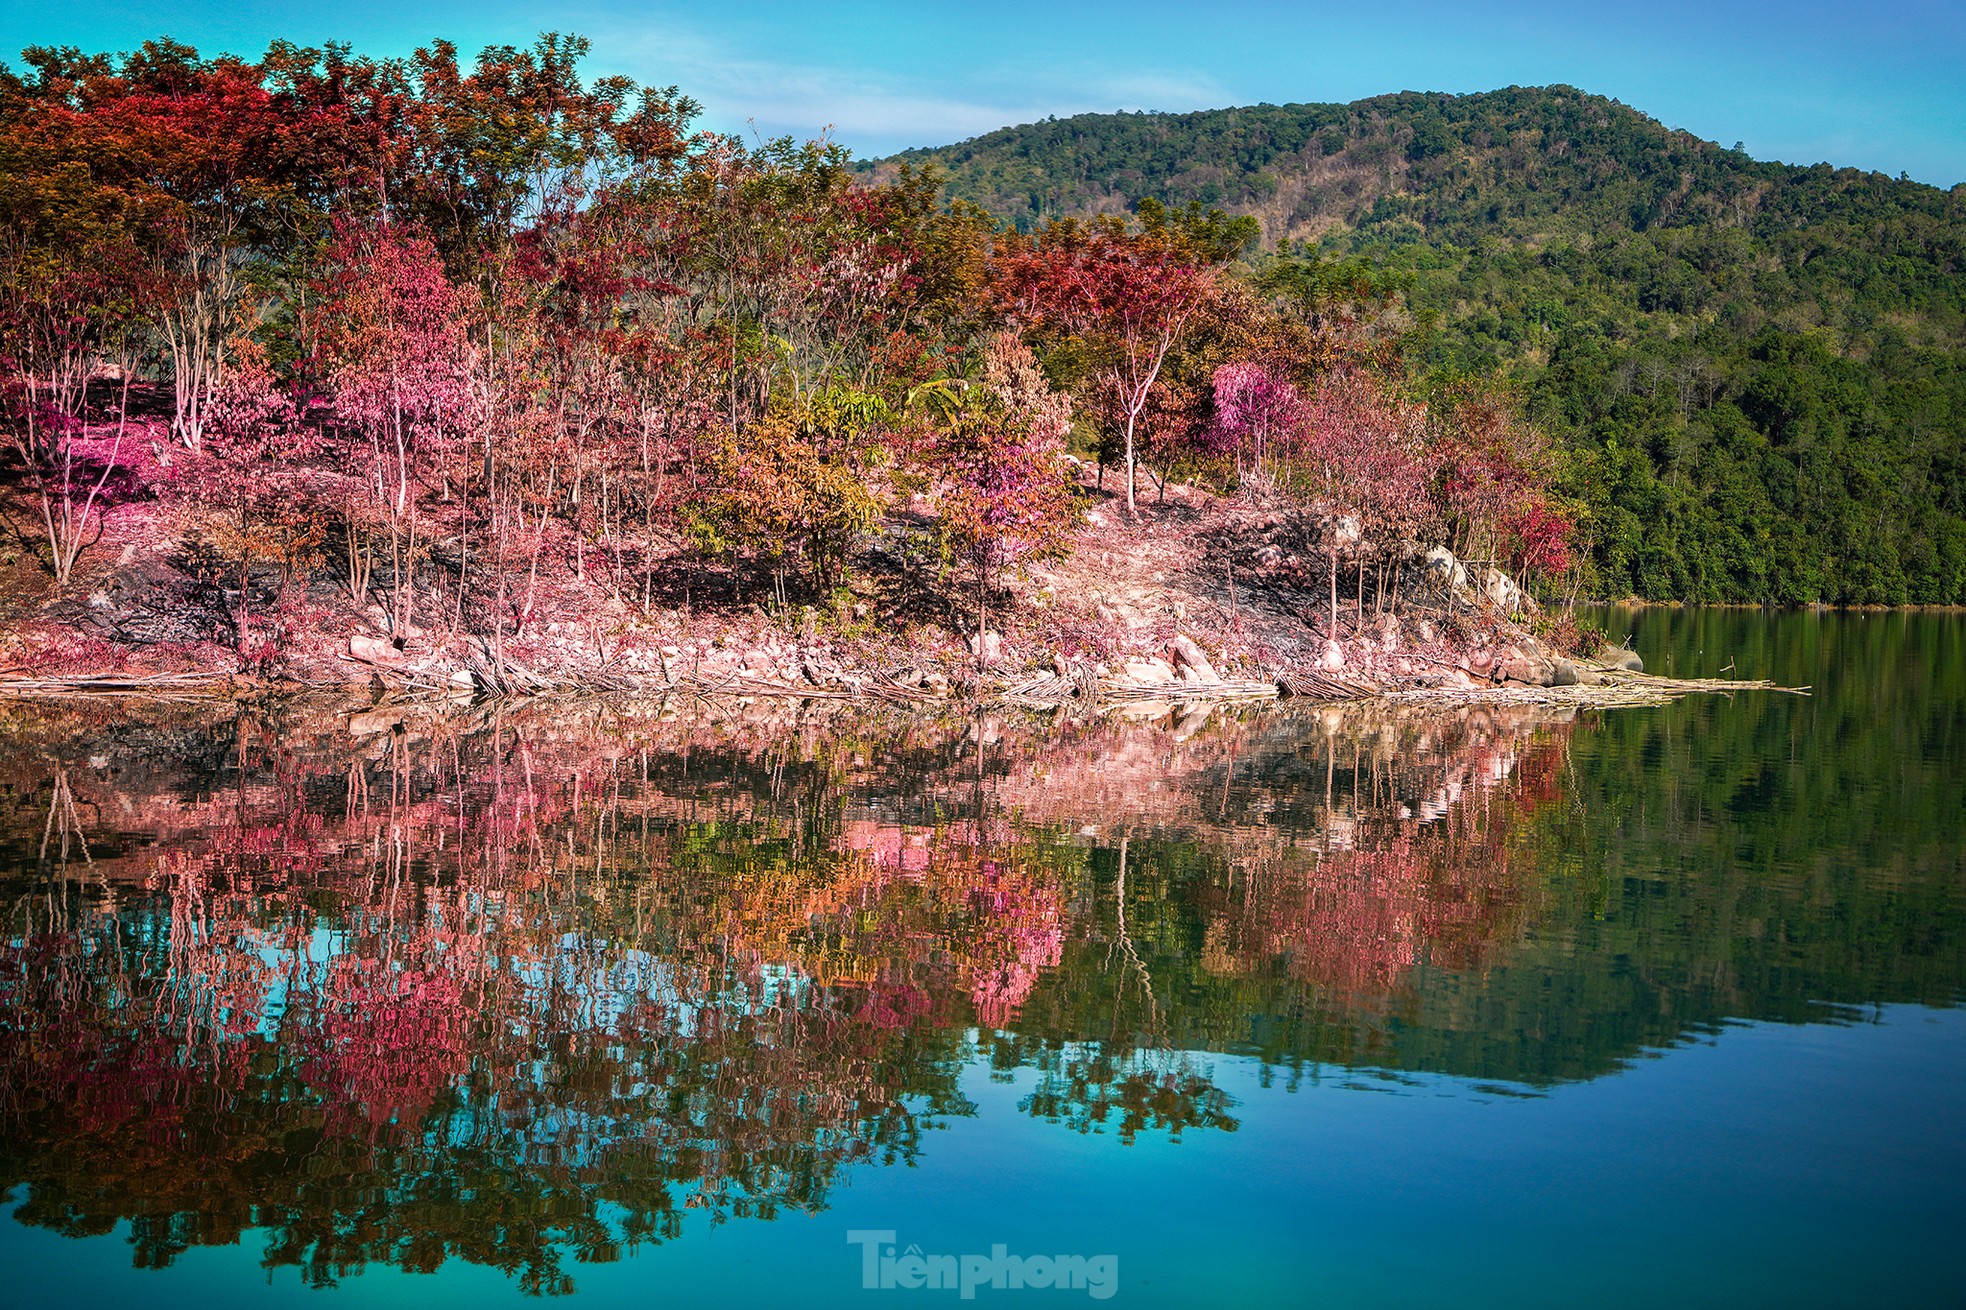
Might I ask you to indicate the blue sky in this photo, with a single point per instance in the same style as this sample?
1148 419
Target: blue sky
1879 85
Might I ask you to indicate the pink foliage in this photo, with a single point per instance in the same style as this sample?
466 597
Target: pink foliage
396 336
1541 537
1366 448
1256 412
1006 495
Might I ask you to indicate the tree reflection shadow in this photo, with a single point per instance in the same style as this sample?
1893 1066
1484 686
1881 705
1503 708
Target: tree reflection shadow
396 988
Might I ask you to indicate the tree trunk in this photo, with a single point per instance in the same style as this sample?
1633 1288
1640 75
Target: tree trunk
1334 593
1131 415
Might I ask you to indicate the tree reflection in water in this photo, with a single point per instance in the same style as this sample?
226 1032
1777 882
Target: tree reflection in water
528 988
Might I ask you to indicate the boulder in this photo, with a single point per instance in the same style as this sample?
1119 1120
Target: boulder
1517 665
1333 658
1500 590
1618 657
1441 569
1564 674
374 650
987 646
1148 670
1191 661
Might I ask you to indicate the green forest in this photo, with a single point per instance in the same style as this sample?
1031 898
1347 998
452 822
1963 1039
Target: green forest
1754 369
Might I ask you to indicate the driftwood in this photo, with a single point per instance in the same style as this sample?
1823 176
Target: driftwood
1086 689
1628 678
1620 687
1311 685
498 677
150 686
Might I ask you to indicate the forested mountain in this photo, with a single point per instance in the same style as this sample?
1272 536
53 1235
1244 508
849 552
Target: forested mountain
1759 370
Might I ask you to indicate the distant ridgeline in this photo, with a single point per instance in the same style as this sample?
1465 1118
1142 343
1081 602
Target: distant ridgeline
1757 367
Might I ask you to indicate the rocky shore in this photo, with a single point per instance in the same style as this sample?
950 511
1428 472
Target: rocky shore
1198 598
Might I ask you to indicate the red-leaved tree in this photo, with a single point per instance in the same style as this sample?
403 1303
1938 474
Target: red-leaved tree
1122 300
395 334
1005 495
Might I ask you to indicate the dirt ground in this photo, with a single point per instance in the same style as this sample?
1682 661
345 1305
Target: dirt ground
1231 574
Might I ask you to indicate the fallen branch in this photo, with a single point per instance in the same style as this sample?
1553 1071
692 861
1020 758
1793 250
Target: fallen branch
154 685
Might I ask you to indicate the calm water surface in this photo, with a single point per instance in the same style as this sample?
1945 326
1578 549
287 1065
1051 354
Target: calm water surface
1386 1007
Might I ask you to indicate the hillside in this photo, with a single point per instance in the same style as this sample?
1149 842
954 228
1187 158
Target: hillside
1757 367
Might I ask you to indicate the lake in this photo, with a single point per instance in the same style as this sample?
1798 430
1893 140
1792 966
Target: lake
1313 1006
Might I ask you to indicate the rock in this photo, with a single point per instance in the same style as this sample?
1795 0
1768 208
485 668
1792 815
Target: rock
1443 570
1105 613
374 650
1564 674
987 646
1149 670
1618 657
1501 591
1191 660
1333 658
757 660
464 680
1517 665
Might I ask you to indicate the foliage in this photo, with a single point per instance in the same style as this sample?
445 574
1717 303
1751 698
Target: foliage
1005 493
783 492
452 330
1123 299
1753 370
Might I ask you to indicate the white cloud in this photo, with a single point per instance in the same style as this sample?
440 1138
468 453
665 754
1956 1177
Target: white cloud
869 112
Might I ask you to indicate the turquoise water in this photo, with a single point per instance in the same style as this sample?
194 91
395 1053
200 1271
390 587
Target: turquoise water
1366 1007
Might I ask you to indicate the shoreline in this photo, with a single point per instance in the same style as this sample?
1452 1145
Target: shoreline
1198 598
1087 693
1779 607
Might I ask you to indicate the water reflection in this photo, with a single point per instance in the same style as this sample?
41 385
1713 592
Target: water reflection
532 988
